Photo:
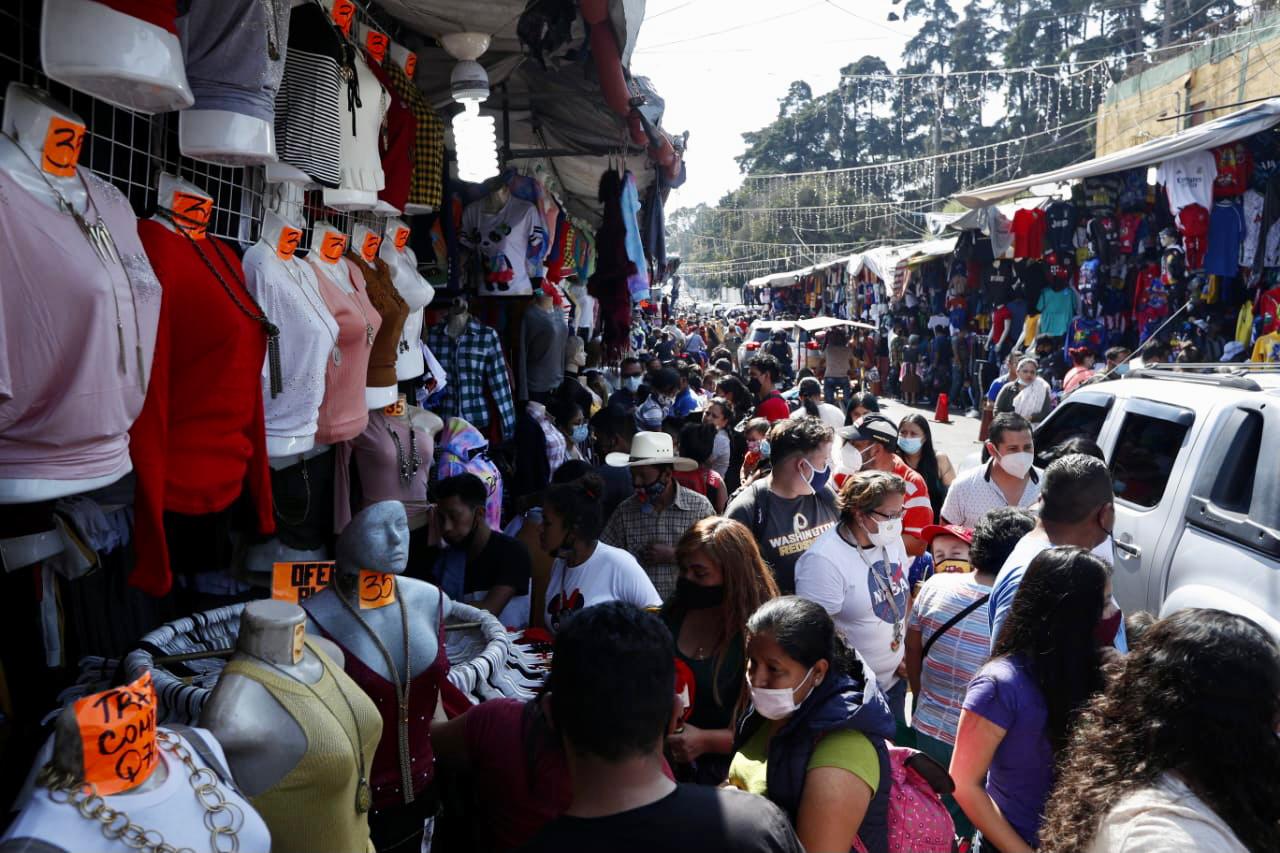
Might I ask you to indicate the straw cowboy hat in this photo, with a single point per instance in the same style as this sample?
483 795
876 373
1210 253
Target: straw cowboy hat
651 448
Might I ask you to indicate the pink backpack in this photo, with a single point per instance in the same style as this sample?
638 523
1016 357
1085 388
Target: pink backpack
918 820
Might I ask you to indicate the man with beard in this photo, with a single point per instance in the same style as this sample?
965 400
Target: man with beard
480 566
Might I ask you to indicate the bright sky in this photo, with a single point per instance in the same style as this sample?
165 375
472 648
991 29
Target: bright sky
722 65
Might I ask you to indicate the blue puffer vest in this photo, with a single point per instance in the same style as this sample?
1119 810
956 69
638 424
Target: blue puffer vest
837 704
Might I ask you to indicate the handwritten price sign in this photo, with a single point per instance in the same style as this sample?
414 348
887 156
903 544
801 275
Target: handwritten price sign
377 589
118 734
296 582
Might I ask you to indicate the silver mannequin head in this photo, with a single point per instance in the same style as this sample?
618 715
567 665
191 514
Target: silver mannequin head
377 539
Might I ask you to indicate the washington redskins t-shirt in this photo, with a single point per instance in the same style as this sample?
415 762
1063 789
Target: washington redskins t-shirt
784 528
609 574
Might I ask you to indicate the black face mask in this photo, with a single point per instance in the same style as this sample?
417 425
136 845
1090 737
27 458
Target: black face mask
696 597
753 385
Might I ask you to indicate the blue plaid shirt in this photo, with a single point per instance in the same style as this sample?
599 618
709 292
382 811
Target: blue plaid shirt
471 363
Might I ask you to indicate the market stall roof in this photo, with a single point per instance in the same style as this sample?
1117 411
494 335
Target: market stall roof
880 261
562 129
1230 128
780 279
817 324
973 219
918 253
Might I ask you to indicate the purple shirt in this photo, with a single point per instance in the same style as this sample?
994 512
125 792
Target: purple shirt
1021 771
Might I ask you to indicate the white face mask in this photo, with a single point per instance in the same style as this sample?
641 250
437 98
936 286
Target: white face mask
887 532
1017 464
776 703
631 383
851 459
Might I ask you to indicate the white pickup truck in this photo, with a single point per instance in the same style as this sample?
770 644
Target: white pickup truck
1195 457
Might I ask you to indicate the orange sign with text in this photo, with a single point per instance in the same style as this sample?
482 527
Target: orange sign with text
377 43
410 64
369 250
332 246
288 243
118 736
401 238
377 589
296 582
62 143
343 11
193 213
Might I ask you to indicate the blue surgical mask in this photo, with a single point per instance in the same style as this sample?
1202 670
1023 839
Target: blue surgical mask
817 479
1121 369
910 445
580 433
631 383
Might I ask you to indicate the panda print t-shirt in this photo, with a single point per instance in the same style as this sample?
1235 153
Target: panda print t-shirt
609 574
512 245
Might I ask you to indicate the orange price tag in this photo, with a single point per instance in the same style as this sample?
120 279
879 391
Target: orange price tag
288 243
401 238
410 64
398 408
118 735
193 212
377 589
369 250
296 582
377 43
62 143
342 13
332 246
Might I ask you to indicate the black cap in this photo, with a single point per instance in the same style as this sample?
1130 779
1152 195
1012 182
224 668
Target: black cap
871 427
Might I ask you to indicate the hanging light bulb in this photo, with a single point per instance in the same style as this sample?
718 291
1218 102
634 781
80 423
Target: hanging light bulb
476 141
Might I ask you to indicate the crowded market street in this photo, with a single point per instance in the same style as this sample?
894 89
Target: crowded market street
508 426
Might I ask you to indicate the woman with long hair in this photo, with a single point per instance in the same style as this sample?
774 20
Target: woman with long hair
1019 710
861 403
721 416
1180 750
733 389
915 443
697 442
722 581
814 739
811 403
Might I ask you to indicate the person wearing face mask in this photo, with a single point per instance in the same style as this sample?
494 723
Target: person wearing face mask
719 414
568 419
1029 395
792 506
632 376
479 566
585 571
869 445
857 571
1077 507
1009 478
696 441
763 373
722 582
650 522
915 447
663 386
814 739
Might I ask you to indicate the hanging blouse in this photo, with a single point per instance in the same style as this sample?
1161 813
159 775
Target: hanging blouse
392 309
417 294
77 337
311 104
199 442
343 414
361 168
234 51
511 244
395 143
391 467
290 295
427 188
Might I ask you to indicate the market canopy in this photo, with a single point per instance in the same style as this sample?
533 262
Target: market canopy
1230 128
779 279
817 324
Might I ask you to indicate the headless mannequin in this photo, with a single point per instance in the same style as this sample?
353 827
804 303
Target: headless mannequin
366 242
191 204
326 248
415 290
28 115
261 739
281 172
113 56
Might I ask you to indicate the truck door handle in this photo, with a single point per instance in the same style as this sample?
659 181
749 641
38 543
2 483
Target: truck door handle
1128 549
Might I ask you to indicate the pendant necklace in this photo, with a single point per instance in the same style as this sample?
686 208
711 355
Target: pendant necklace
402 691
306 293
271 330
408 467
364 793
99 238
883 584
368 327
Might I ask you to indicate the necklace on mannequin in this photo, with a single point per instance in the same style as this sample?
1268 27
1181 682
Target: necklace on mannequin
306 293
402 691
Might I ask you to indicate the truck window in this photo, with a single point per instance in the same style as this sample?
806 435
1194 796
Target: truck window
1069 420
1143 458
1233 484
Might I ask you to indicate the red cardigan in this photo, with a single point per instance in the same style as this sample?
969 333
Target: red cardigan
199 442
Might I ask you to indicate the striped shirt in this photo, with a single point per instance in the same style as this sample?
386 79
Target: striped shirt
955 658
309 107
917 510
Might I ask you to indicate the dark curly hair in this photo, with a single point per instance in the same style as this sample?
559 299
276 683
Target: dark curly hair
995 537
1199 697
1050 628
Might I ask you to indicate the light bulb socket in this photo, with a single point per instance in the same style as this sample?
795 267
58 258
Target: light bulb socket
469 81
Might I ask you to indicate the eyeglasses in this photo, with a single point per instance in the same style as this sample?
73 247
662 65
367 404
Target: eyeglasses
886 516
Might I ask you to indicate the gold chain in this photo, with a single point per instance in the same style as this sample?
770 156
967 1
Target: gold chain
223 819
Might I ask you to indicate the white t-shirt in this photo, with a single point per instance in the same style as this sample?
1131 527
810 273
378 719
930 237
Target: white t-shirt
852 585
288 293
830 415
171 809
974 494
512 244
609 574
1188 180
1165 818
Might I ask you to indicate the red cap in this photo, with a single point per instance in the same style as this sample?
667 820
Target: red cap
964 534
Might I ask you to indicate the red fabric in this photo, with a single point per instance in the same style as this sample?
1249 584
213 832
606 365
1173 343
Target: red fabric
199 442
396 142
773 408
700 480
1150 296
1130 223
1235 167
999 320
556 260
424 693
161 13
1193 222
917 514
1028 233
1269 310
1059 267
